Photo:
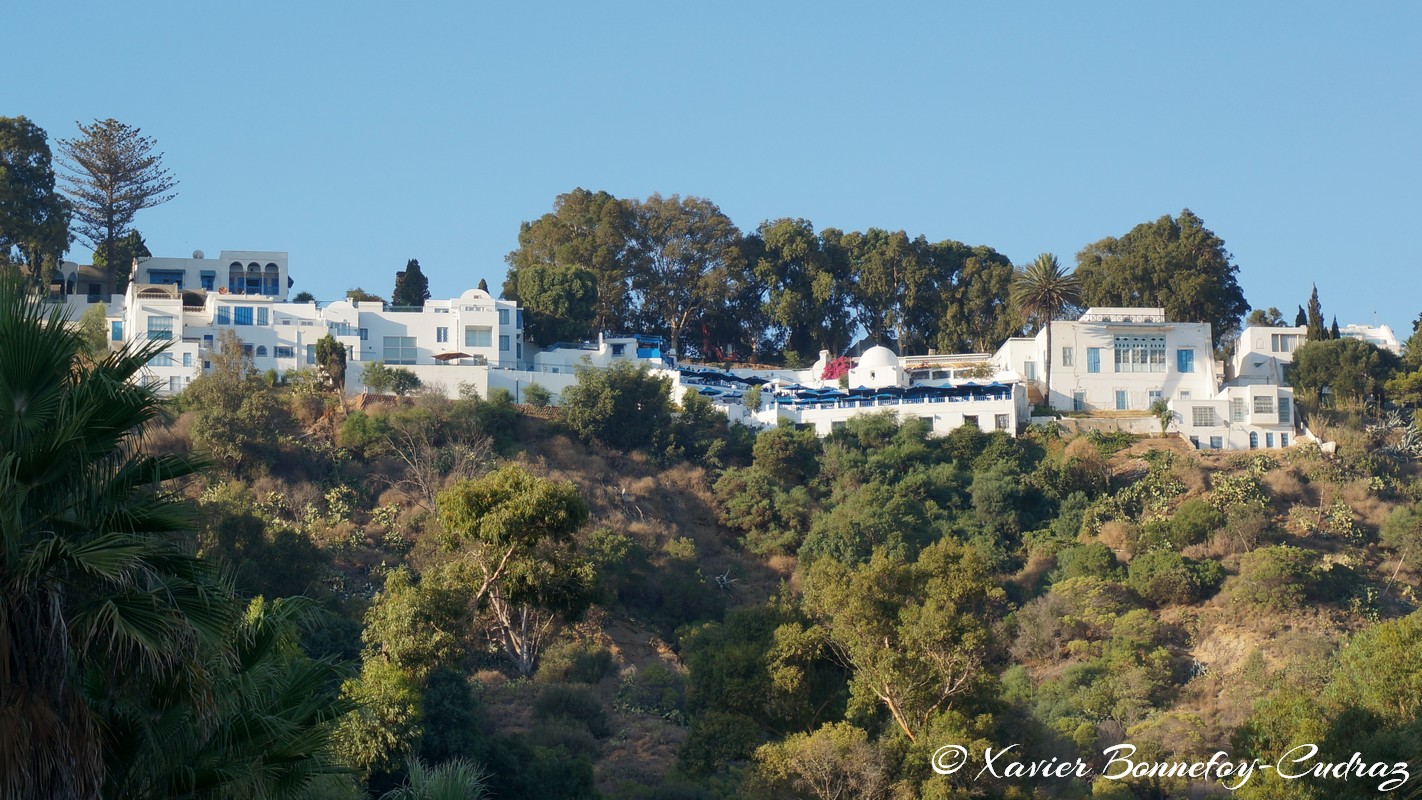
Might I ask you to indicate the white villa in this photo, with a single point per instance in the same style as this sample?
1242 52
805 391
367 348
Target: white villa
1125 359
1119 361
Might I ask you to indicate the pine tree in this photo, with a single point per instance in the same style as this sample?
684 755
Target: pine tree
412 288
1301 319
112 173
1333 332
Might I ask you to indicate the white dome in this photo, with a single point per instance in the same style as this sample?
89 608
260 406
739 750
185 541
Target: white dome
878 356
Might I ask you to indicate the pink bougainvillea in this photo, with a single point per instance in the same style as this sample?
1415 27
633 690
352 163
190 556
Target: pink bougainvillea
837 369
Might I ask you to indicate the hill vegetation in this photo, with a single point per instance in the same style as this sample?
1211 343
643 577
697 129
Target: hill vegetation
623 598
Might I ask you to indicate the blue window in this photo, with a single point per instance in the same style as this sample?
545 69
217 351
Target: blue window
241 315
224 315
618 349
1283 440
1122 402
1253 440
1093 359
503 343
282 351
503 316
1284 411
262 351
207 278
1185 360
166 277
161 360
1216 442
187 359
518 318
1078 401
311 354
1269 440
262 315
441 335
116 330
160 328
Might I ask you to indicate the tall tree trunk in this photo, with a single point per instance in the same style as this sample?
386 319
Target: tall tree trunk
1047 366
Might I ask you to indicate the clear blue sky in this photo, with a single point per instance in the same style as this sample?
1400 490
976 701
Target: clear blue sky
356 135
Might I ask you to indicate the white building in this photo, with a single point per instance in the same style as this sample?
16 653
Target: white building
1114 362
879 381
1378 335
447 342
1125 359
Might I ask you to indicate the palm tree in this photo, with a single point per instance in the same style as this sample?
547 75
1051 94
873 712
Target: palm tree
266 732
95 587
1041 291
452 780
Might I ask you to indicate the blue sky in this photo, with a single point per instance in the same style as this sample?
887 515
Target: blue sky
356 135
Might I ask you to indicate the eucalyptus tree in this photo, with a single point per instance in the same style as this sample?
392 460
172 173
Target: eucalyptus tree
1175 263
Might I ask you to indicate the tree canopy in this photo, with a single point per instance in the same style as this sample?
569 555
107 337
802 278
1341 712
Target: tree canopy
1175 263
585 231
1352 370
412 288
111 172
34 218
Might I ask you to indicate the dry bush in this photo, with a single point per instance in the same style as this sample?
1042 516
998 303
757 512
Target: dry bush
1372 509
1246 527
1189 473
1285 486
172 439
1118 536
307 408
783 565
1080 447
1034 573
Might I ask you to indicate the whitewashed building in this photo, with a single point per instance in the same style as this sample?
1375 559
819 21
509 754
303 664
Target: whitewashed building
878 382
1125 359
1381 336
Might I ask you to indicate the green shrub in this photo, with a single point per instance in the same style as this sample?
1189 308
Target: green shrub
1093 560
560 701
1277 578
717 739
537 396
652 690
1164 577
579 661
573 736
1194 522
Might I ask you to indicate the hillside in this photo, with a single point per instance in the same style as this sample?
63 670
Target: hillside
1099 589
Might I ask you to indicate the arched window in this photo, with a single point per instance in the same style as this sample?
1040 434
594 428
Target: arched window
254 278
271 279
235 277
1253 440
261 351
